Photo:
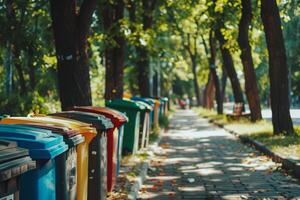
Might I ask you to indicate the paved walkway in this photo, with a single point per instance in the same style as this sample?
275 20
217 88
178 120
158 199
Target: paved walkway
200 161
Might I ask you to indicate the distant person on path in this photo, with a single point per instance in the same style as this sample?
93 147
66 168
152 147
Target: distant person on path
188 103
182 104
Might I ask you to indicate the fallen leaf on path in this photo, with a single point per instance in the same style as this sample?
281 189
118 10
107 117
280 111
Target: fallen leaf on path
164 146
171 194
143 190
159 183
154 187
191 180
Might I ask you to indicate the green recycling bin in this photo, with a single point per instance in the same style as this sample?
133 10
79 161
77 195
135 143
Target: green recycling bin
132 110
14 161
144 125
97 183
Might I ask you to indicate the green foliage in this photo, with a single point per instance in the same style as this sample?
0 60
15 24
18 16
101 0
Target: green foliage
153 137
16 105
164 121
174 21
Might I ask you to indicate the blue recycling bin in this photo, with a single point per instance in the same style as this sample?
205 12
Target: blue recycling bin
149 102
161 107
45 148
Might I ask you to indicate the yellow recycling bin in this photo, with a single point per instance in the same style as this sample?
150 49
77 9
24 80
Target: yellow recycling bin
82 149
156 112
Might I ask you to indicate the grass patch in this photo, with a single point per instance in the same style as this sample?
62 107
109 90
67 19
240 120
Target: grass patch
286 146
211 114
164 121
262 131
153 137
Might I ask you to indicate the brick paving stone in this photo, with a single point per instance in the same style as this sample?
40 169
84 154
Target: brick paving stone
200 161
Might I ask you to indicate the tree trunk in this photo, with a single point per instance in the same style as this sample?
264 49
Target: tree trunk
230 70
224 83
278 69
209 92
212 64
18 65
195 79
143 63
8 68
14 28
114 54
251 87
70 33
31 66
143 71
157 82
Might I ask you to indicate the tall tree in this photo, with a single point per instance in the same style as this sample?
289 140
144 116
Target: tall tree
193 53
229 67
209 90
278 69
213 71
251 87
14 42
71 28
114 53
143 54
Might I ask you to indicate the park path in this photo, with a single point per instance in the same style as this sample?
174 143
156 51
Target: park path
200 161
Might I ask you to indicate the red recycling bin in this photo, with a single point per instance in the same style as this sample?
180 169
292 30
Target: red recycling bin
118 119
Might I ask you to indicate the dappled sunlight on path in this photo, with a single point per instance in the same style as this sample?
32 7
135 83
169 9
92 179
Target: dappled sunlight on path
200 161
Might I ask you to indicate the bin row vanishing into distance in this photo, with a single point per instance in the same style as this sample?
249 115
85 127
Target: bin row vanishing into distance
74 154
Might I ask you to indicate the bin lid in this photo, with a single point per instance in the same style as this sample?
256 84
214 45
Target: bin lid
41 143
71 137
117 118
165 99
45 120
100 122
148 108
13 160
85 129
155 101
146 100
125 103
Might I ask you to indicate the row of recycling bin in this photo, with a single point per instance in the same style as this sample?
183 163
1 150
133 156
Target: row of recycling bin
74 154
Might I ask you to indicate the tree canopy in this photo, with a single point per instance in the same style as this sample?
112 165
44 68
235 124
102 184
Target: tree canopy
61 53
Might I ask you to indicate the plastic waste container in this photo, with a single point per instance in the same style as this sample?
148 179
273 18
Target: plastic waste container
149 102
131 129
46 149
161 107
67 188
144 125
98 151
14 161
156 111
165 101
114 140
82 149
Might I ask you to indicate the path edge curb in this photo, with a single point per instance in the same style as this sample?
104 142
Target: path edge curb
292 167
144 166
